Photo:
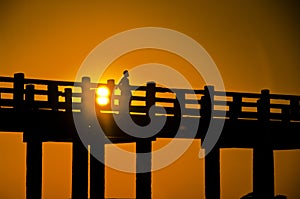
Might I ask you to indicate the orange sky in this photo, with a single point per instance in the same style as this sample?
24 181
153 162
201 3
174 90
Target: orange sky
255 45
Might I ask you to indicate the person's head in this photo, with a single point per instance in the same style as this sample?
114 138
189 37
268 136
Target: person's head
125 73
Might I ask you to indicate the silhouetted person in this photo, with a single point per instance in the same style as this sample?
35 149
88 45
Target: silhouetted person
124 84
125 90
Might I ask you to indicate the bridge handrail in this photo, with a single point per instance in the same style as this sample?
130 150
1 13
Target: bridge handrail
240 104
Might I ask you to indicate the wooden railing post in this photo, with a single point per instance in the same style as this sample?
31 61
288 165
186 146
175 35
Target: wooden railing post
86 98
18 96
178 110
0 99
143 180
34 153
263 160
111 88
68 100
150 95
295 108
235 108
53 96
212 159
29 97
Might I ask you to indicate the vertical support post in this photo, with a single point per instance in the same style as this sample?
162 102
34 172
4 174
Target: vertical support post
29 98
212 159
111 88
80 152
79 171
86 98
236 107
34 170
212 174
34 155
207 104
143 161
263 160
295 107
18 91
143 179
0 100
68 100
178 111
286 115
53 96
97 173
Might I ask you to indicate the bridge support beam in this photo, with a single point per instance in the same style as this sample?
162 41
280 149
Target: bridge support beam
34 170
143 162
212 174
79 171
97 174
263 159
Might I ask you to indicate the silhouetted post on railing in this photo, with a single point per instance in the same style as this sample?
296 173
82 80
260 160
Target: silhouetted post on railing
143 180
295 107
263 160
53 96
80 153
68 100
18 96
235 108
29 97
178 111
111 86
212 160
34 153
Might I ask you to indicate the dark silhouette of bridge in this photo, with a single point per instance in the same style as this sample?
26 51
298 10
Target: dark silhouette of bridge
43 111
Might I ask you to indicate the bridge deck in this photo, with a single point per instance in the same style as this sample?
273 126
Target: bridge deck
59 127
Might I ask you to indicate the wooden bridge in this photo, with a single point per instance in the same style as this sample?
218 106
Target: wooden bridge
43 111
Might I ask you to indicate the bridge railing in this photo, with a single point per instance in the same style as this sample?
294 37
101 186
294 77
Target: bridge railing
49 95
232 105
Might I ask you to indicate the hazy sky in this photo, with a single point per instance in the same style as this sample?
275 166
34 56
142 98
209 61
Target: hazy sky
255 45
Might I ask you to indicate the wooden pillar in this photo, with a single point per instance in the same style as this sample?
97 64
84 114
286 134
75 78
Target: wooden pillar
263 160
79 171
212 174
34 153
212 159
34 170
143 180
144 162
80 152
97 173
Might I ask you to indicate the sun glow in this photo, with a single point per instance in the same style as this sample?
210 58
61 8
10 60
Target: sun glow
102 96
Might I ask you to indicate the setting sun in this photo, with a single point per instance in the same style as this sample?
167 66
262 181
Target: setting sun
102 96
254 44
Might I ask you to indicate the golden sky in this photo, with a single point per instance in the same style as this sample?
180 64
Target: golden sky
255 45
